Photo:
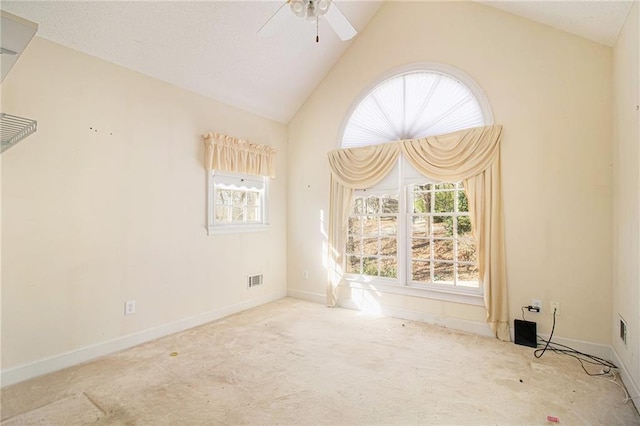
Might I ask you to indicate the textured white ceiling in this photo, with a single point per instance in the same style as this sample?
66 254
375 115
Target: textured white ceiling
208 47
597 20
211 47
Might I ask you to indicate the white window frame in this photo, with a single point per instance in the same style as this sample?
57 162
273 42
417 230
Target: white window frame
223 180
378 193
463 295
402 284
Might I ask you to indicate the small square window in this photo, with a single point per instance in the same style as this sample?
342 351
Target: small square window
237 203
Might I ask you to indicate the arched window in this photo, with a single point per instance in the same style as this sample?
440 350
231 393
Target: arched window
416 104
411 230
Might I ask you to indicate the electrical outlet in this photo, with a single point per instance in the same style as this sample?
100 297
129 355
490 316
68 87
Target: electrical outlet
130 307
555 306
537 303
305 274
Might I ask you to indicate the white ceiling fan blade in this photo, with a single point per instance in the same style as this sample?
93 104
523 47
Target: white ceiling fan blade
275 21
339 23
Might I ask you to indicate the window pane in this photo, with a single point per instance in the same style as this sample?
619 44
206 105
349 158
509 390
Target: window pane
354 225
370 266
389 268
443 249
420 271
353 245
425 187
222 213
353 264
358 206
468 276
237 214
253 214
422 202
390 204
442 226
223 197
443 202
467 251
444 186
463 203
443 273
370 225
370 246
253 198
388 225
420 226
372 205
238 197
388 246
464 226
420 248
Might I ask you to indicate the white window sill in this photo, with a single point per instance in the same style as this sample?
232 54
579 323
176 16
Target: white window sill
467 297
236 229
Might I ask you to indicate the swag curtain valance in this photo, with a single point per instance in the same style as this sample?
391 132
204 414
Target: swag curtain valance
471 155
229 154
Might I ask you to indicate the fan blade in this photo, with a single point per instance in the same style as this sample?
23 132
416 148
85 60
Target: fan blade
275 21
339 23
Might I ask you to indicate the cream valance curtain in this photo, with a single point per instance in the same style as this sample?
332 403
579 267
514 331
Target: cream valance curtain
229 154
471 155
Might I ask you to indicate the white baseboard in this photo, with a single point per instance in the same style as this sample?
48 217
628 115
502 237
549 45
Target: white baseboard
307 295
452 323
627 379
480 328
58 362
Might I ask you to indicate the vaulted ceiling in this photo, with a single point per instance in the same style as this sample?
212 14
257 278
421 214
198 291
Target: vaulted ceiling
212 47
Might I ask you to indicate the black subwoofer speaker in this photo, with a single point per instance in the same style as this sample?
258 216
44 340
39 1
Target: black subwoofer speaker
525 333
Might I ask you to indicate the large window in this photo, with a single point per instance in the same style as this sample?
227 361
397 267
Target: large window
443 250
411 230
418 235
237 202
372 241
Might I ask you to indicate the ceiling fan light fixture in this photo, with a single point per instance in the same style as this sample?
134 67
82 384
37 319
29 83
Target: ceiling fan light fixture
322 6
312 11
298 8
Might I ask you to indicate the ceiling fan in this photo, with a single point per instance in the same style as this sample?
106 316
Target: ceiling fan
312 11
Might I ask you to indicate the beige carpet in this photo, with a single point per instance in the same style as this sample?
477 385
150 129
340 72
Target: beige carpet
294 362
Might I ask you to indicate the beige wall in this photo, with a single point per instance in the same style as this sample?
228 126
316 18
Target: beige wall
106 202
552 92
626 184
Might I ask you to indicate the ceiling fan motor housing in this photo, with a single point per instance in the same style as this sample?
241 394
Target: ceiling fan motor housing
310 9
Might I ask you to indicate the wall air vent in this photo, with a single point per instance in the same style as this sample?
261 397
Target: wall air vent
255 280
623 329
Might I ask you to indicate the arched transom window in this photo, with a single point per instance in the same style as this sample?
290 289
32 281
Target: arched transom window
413 105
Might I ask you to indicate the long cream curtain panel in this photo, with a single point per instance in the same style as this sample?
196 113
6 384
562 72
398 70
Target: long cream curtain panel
229 154
471 155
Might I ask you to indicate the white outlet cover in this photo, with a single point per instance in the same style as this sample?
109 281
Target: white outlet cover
130 307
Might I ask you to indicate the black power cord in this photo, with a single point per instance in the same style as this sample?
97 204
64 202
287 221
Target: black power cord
580 356
553 327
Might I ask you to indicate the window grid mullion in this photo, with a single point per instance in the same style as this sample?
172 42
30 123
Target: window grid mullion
455 235
432 203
